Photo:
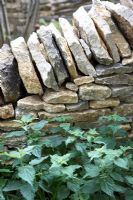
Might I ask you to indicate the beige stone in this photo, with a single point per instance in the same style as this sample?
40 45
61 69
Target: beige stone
83 80
128 61
125 109
82 105
53 108
71 86
25 66
6 111
60 97
94 92
105 103
9 125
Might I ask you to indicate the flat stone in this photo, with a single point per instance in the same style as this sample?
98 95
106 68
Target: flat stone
105 103
88 115
25 67
124 18
53 108
117 68
119 79
89 33
127 99
60 97
127 61
9 77
94 92
6 111
83 63
72 86
122 91
44 68
82 105
53 53
125 109
83 80
65 52
86 49
119 39
105 33
9 125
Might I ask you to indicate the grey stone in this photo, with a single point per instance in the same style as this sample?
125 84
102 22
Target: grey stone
119 79
9 77
83 80
53 53
44 68
83 63
86 49
122 91
89 33
82 105
94 92
72 86
127 99
104 103
128 60
124 109
25 66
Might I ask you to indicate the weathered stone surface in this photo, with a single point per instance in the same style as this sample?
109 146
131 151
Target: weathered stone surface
86 49
44 68
127 61
72 86
122 91
61 97
117 68
105 33
124 18
83 63
25 66
119 79
88 115
6 111
53 108
94 92
53 53
90 35
127 99
82 105
128 3
19 112
105 103
83 80
125 109
65 52
117 36
9 76
9 125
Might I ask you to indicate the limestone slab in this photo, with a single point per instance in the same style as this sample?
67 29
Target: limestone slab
82 105
94 92
6 111
83 63
122 91
89 33
125 109
25 66
53 53
105 103
44 68
86 49
9 125
53 108
72 86
83 80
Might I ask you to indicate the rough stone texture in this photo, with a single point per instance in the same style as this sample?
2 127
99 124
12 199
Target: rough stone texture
53 108
9 76
127 61
9 125
83 80
61 97
105 33
21 112
105 103
72 86
82 105
25 66
86 49
65 52
125 109
122 91
124 18
94 92
83 63
128 3
53 53
90 35
127 99
117 68
119 79
88 115
117 36
6 111
44 68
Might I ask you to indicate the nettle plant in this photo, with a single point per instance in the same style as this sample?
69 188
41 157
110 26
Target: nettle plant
65 162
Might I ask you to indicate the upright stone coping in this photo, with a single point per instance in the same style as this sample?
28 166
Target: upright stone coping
76 74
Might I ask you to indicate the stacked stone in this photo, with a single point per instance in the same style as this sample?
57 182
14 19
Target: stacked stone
84 73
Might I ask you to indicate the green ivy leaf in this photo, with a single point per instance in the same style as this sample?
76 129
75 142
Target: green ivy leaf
121 162
69 170
37 160
27 192
27 173
70 140
27 118
63 192
129 194
39 125
92 170
108 186
129 179
65 126
12 186
90 187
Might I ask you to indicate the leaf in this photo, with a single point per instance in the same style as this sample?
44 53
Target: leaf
27 173
70 140
65 126
27 118
27 192
117 177
73 186
12 186
129 195
90 187
37 160
61 119
60 160
108 186
54 141
92 170
37 151
129 179
15 134
121 162
39 125
63 192
69 170
5 171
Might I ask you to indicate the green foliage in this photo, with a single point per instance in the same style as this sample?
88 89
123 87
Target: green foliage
67 163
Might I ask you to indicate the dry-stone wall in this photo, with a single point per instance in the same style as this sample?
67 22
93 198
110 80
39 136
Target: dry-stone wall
84 72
